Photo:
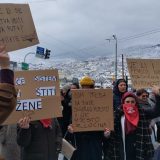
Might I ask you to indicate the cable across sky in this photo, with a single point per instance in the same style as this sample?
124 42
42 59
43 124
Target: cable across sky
140 35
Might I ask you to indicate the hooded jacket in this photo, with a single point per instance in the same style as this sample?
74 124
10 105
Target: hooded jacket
117 95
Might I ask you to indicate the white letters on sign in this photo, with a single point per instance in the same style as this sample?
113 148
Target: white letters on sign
29 104
45 78
46 91
20 81
19 93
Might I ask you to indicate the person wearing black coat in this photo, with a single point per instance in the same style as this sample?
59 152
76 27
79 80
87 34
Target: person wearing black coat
66 112
39 140
120 87
67 106
131 139
88 144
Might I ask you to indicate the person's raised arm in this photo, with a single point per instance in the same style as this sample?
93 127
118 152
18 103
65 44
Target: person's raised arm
8 93
154 110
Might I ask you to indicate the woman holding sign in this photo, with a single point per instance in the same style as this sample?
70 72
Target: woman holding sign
89 144
131 139
39 140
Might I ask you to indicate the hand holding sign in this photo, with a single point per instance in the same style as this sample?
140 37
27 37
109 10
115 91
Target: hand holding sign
156 90
24 122
107 132
4 58
70 129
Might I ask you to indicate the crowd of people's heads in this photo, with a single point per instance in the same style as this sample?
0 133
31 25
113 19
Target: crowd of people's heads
85 82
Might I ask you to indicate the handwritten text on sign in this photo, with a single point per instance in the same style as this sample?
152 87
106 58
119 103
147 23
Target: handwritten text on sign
92 109
144 73
17 29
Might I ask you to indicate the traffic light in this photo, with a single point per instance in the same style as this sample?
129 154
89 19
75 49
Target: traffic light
47 54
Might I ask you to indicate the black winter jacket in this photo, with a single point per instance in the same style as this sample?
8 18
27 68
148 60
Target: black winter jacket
39 143
143 145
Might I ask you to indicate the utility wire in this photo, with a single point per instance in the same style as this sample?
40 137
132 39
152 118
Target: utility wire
74 50
86 50
140 35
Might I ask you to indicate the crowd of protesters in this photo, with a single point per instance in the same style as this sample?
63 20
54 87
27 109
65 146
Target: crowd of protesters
131 138
136 133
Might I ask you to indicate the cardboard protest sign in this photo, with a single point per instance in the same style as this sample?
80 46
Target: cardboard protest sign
92 109
38 95
144 73
17 29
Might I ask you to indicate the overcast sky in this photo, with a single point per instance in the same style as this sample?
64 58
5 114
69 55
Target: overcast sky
81 26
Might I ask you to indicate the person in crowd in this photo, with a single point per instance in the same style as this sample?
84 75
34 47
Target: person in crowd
142 94
66 102
8 94
67 111
88 144
120 87
8 136
131 139
8 132
39 140
66 108
143 99
74 86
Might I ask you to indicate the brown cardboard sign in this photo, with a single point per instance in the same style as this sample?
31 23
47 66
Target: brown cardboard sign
92 109
38 95
144 73
17 29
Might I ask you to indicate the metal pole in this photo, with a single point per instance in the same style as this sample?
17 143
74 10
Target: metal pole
122 67
114 36
27 55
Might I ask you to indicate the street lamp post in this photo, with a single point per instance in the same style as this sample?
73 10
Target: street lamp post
114 36
116 44
25 66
